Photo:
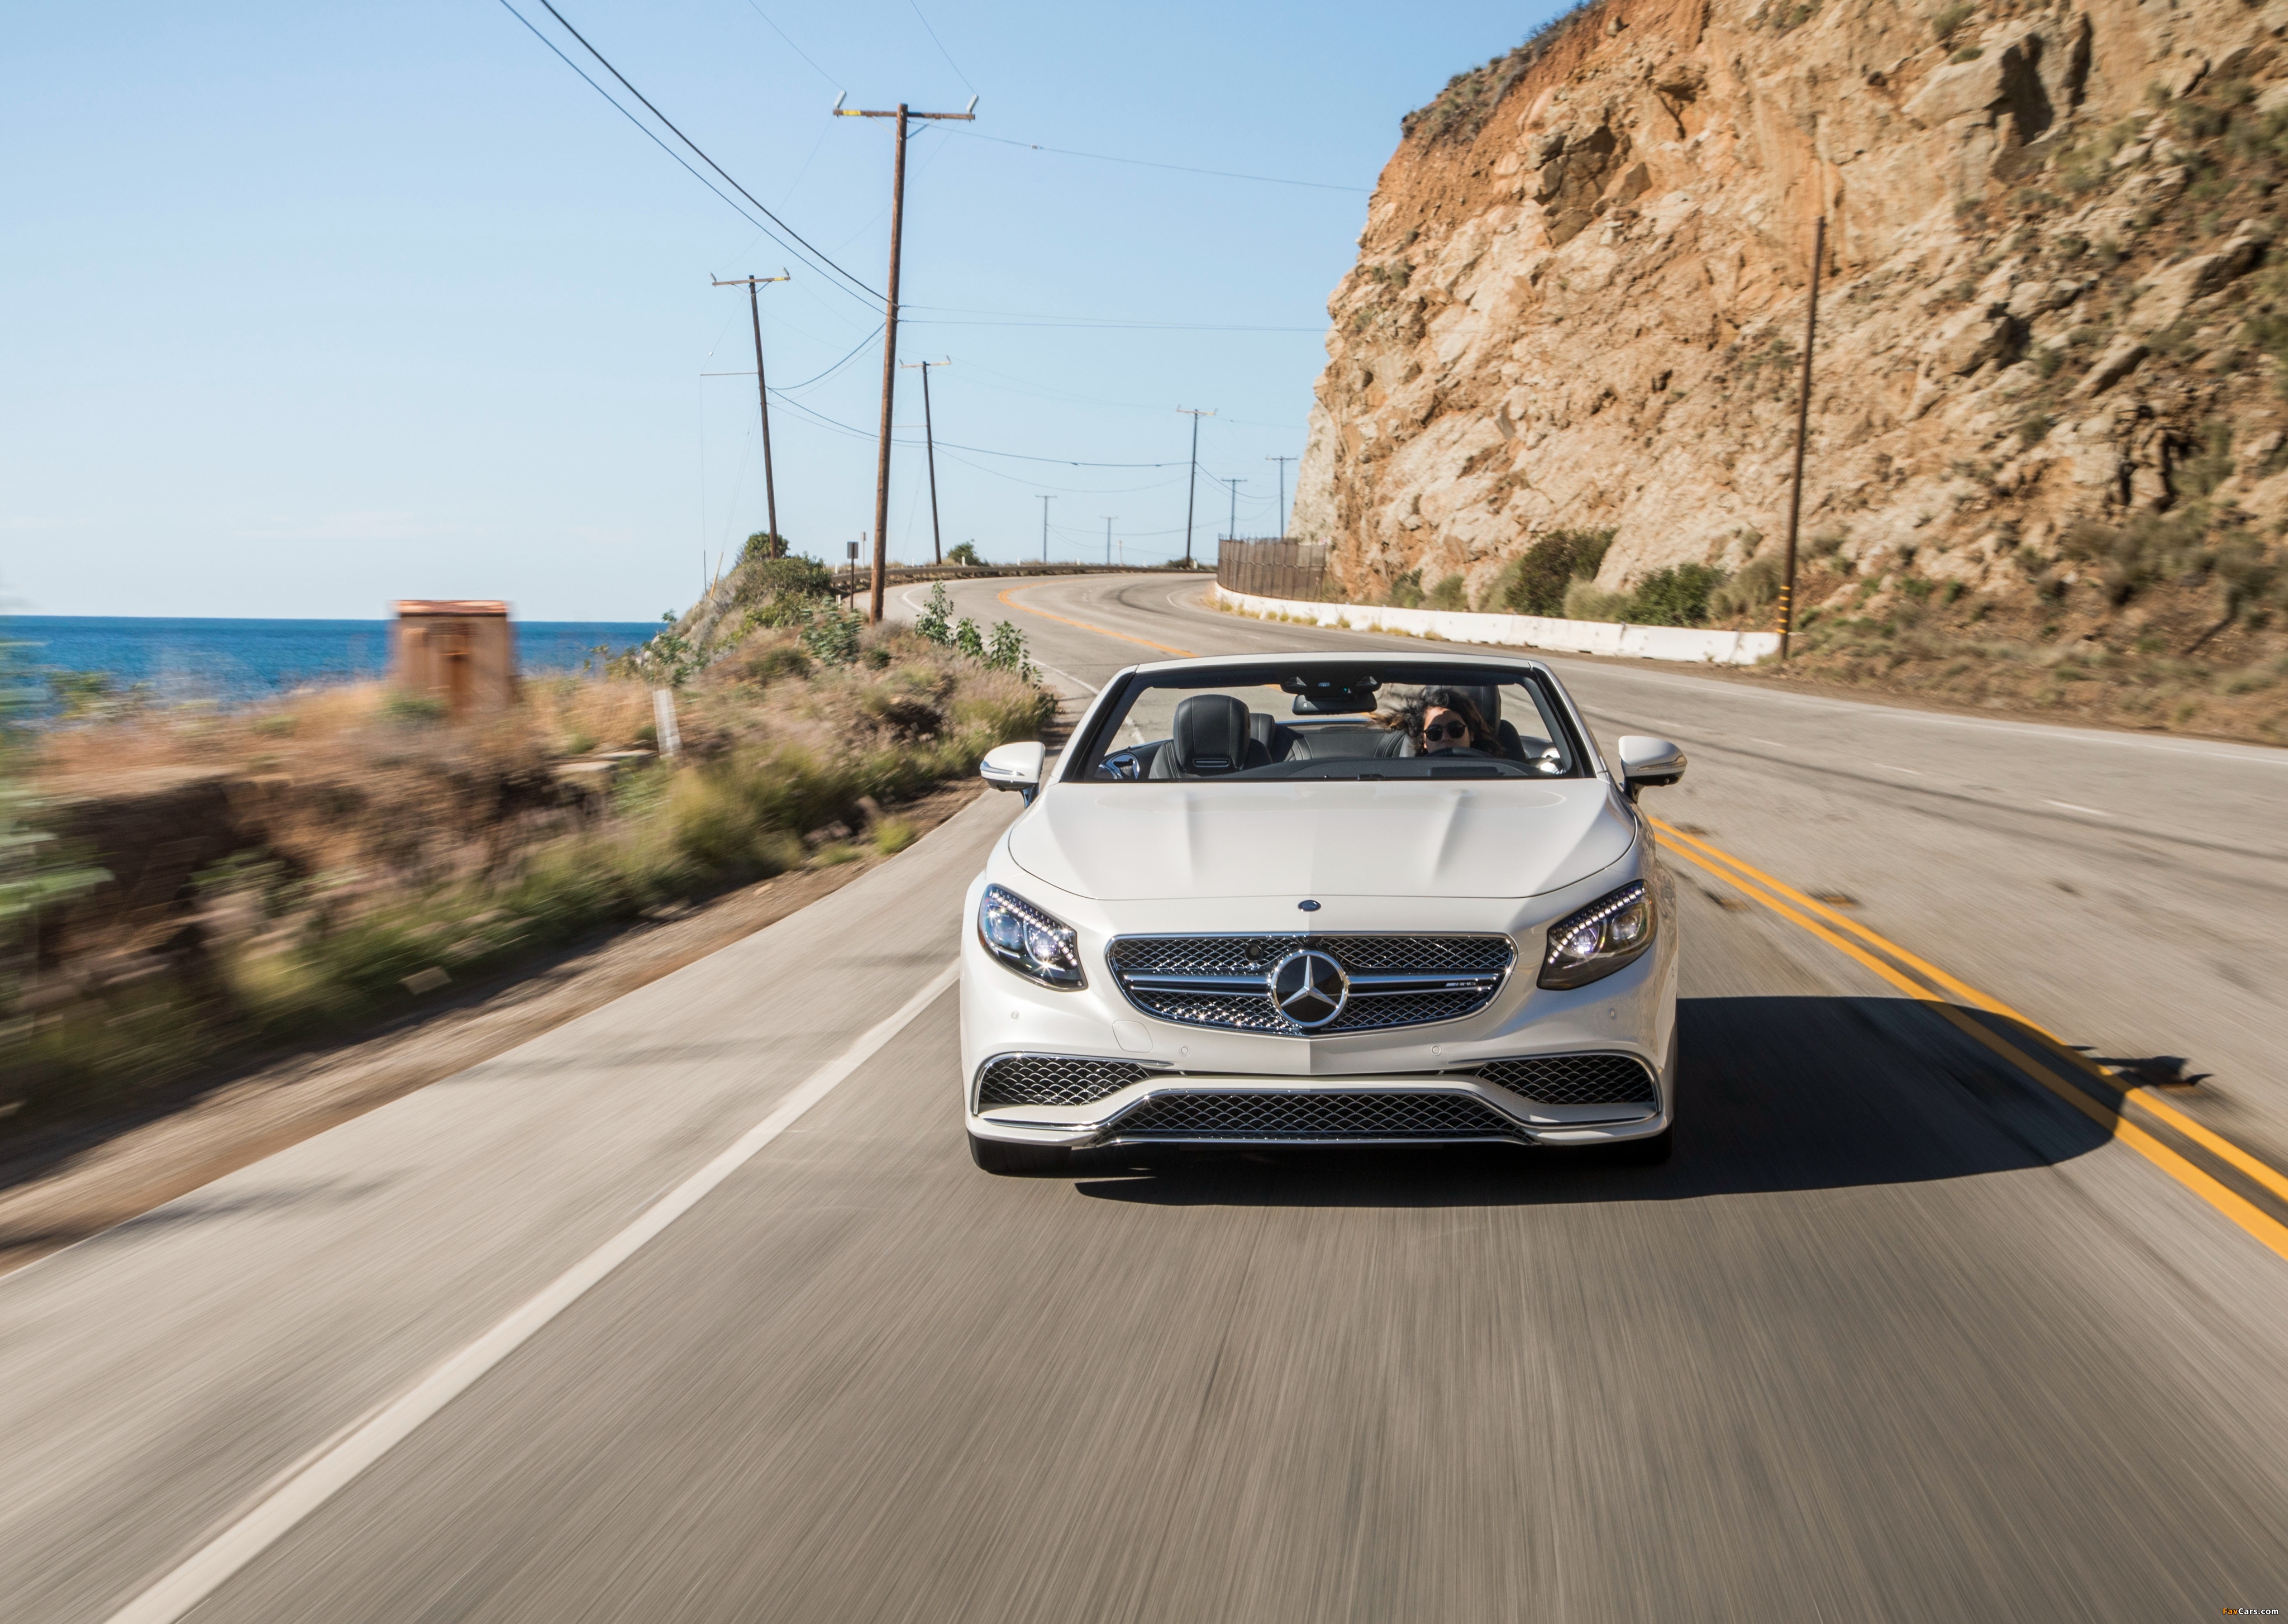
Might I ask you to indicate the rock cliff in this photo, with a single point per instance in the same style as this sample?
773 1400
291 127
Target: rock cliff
2049 346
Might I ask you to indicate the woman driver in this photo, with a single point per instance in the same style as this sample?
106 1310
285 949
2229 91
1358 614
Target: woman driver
1444 720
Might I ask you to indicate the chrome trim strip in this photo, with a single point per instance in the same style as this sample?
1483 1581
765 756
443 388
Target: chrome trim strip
1487 984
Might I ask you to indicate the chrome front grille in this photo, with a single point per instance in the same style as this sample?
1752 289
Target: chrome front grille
1315 1115
1054 1079
1574 1079
1394 980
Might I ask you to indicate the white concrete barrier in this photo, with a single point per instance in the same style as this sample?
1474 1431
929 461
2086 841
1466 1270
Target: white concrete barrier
1693 644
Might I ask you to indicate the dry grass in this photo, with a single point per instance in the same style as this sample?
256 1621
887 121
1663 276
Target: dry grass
353 855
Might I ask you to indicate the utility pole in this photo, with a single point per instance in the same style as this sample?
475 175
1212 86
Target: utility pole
890 325
929 440
1234 535
1045 529
1279 516
1802 426
762 391
1191 496
1108 540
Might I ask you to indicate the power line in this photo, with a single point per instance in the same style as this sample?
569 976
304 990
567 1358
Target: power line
798 50
1183 169
649 134
815 377
981 450
1105 325
821 259
942 50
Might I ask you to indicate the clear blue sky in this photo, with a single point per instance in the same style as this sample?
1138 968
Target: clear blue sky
308 308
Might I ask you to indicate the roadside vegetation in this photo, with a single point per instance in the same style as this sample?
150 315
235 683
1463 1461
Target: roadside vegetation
180 886
2175 620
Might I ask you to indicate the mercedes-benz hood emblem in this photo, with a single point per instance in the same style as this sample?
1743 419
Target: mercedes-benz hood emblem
1308 988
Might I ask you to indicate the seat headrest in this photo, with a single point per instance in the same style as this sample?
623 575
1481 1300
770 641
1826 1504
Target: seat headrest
1210 735
1487 700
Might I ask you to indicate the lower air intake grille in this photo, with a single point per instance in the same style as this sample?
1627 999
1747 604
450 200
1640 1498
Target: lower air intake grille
1054 1079
1313 1116
1574 1079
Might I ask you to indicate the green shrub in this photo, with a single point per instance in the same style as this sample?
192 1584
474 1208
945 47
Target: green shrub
1004 651
1584 601
1675 597
412 710
763 545
830 635
775 663
1946 22
779 576
1756 585
1449 593
1538 582
964 552
935 622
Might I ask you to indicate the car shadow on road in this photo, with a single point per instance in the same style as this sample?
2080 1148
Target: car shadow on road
1777 1093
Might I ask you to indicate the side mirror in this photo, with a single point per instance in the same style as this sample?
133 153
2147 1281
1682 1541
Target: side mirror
1014 767
1645 762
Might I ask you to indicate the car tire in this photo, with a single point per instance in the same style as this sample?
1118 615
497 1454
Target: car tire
1019 1161
1650 1152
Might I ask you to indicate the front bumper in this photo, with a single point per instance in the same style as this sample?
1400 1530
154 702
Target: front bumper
1172 1108
1197 1085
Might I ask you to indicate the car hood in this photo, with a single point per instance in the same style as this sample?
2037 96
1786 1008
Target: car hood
1320 838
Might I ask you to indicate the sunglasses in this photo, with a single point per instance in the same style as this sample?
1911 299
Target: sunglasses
1447 729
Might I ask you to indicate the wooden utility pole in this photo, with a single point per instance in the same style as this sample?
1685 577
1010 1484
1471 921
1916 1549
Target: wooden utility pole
1045 529
890 326
1107 541
1802 427
762 389
1279 515
1191 496
1234 535
929 442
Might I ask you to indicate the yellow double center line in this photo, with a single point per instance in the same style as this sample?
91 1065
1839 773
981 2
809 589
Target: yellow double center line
2056 1070
1009 597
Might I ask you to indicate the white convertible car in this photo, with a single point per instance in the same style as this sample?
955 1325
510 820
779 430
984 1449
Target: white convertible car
1323 899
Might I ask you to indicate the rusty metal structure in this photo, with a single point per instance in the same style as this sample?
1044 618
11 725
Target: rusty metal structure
1275 568
459 651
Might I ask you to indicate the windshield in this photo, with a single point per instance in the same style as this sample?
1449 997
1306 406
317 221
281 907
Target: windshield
1319 721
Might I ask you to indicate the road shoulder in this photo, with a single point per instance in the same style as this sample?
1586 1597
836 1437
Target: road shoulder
71 1185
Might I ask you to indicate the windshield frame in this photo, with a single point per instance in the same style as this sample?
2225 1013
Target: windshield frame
1093 739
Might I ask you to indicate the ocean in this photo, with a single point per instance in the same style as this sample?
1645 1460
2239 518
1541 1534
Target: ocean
236 661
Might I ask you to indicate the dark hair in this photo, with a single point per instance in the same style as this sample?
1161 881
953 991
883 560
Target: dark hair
1407 714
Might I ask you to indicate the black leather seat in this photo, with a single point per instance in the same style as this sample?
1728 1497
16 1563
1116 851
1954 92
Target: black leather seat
1210 737
1346 743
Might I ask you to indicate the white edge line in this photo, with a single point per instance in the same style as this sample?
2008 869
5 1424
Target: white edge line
2069 806
1086 687
208 1568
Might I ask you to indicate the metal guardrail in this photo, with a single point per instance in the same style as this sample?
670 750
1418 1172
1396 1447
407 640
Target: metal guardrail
1274 569
903 574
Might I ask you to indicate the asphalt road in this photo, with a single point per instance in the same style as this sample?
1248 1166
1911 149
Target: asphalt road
1898 1335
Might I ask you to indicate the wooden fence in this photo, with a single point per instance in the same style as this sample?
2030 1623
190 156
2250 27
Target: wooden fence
1277 569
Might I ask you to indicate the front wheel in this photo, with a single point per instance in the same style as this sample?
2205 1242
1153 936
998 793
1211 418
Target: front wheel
1019 1161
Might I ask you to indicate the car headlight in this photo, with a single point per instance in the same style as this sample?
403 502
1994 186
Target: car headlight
1593 943
1038 946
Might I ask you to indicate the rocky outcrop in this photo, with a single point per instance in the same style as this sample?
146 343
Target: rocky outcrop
1580 294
